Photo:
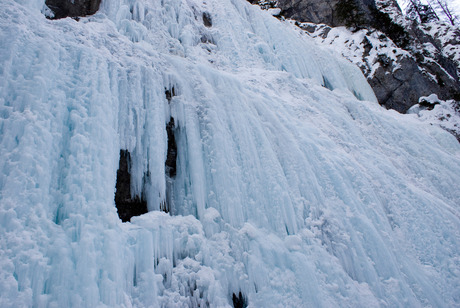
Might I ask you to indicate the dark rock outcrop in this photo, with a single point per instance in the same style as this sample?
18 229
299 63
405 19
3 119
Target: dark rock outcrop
316 11
325 11
72 8
401 89
399 85
357 14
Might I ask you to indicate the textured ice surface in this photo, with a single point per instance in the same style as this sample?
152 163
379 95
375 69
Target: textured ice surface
288 188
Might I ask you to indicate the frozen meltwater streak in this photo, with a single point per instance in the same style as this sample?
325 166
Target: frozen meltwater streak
292 186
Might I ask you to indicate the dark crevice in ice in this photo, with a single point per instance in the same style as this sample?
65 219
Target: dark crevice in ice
239 301
170 165
165 206
327 84
172 150
127 205
170 93
207 20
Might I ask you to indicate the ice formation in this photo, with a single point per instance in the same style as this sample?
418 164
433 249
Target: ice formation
292 187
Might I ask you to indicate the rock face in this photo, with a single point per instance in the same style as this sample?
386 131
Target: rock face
72 8
322 11
398 85
400 89
317 11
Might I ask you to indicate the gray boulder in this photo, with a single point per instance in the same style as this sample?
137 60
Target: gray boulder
72 8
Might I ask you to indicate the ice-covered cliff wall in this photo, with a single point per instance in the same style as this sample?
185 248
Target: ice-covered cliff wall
402 59
288 188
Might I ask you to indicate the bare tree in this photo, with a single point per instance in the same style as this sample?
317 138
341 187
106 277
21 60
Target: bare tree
421 12
444 7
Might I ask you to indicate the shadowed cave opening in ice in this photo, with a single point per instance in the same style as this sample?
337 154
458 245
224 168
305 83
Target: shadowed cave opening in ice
239 301
207 20
127 205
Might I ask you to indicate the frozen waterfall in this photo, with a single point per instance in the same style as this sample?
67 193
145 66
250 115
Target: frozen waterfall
292 187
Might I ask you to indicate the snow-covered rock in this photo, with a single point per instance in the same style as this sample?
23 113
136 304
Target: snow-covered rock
446 114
